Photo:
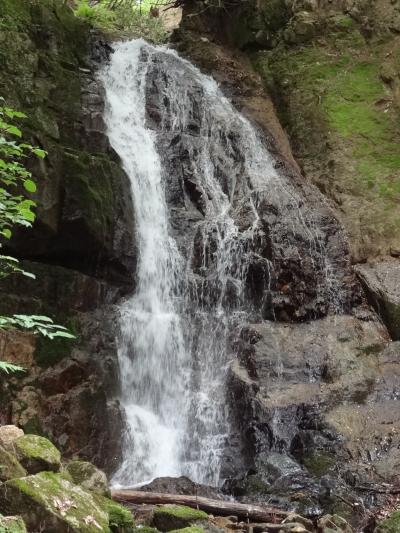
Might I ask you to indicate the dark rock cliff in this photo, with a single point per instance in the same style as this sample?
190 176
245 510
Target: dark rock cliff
314 401
81 247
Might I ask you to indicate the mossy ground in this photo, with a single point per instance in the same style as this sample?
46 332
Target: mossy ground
343 119
12 524
390 525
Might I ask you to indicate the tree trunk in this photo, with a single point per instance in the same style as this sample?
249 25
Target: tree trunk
257 513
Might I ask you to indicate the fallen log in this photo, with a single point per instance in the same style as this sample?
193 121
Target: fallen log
256 513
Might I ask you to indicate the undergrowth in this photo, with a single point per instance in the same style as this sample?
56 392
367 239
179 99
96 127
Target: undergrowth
128 17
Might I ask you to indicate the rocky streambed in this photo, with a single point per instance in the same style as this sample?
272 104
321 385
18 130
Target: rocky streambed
40 491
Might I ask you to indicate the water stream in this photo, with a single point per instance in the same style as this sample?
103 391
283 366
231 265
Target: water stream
194 256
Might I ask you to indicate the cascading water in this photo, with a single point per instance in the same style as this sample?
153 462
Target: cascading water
199 174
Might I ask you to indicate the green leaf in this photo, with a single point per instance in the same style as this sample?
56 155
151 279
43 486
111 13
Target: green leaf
7 233
62 334
39 152
9 368
30 186
14 130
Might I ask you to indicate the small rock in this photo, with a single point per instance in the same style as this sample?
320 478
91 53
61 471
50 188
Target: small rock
171 517
395 252
293 517
89 477
9 434
334 524
37 454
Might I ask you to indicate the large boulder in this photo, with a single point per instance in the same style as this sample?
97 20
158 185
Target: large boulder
37 454
49 502
382 284
10 468
88 476
170 517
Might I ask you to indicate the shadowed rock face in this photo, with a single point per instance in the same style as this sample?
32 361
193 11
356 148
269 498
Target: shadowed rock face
81 246
382 285
316 402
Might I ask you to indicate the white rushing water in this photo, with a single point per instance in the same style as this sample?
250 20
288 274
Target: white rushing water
173 343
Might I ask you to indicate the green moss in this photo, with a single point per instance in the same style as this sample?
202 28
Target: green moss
12 524
343 123
120 518
89 477
343 22
182 511
37 453
171 517
145 529
9 466
14 14
319 463
47 499
390 525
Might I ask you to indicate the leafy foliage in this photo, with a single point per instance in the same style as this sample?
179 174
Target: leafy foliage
15 179
125 15
36 323
16 208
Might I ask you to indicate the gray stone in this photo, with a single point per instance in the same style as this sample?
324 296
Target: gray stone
382 284
89 477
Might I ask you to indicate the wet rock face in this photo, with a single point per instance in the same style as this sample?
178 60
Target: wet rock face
382 285
304 396
296 233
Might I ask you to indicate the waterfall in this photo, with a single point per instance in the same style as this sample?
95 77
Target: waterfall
202 181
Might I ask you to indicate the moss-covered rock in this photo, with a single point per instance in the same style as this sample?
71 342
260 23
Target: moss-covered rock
10 468
145 529
88 476
120 518
37 454
390 525
171 517
12 524
48 502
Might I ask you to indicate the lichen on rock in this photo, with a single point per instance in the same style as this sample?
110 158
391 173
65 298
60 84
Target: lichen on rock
88 476
10 468
37 454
